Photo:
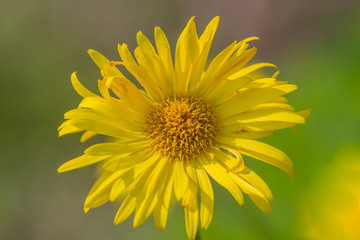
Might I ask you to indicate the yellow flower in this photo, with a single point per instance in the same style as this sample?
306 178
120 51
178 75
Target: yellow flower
189 122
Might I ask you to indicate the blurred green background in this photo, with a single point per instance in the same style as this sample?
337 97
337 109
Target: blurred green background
316 45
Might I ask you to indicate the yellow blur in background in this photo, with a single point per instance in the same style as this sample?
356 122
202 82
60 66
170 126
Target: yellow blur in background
330 209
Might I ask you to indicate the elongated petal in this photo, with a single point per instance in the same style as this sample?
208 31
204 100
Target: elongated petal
125 210
305 113
265 116
250 98
208 81
205 42
104 187
187 47
262 83
251 177
79 162
192 219
99 59
245 132
231 158
149 196
101 199
67 127
79 88
164 52
274 105
125 160
112 109
87 135
218 173
104 64
262 203
128 93
192 186
133 174
162 208
128 61
225 89
181 180
113 148
263 152
207 198
90 120
243 72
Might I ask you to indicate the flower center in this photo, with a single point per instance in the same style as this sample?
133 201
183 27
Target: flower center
181 127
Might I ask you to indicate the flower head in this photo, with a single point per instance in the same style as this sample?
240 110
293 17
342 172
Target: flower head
190 122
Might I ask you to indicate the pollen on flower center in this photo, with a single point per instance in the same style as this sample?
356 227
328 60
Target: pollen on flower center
181 127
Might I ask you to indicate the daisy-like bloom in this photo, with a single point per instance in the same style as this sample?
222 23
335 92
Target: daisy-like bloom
188 123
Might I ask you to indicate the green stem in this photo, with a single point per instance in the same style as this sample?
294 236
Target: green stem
197 237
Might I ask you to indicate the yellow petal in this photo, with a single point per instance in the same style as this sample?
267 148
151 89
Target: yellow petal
208 81
164 52
126 160
135 174
149 196
181 180
267 115
150 62
219 174
125 210
263 152
104 64
225 89
103 188
192 219
162 208
104 91
279 100
88 119
128 61
117 189
305 113
128 93
225 63
256 181
237 61
210 30
112 108
205 42
67 127
113 148
79 162
87 135
207 198
248 99
101 199
249 69
99 59
79 88
236 131
186 53
272 105
262 83
145 209
192 185
262 203
231 158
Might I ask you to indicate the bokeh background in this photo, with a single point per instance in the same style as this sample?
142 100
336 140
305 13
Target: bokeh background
316 45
